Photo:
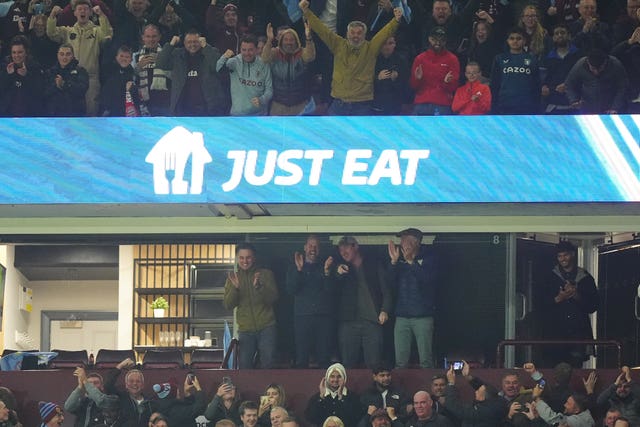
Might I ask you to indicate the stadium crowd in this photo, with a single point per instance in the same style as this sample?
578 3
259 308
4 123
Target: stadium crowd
120 398
68 58
348 298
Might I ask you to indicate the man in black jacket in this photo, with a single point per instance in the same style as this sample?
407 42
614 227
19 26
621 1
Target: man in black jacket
66 84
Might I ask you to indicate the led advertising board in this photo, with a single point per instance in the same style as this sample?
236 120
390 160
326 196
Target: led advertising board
321 160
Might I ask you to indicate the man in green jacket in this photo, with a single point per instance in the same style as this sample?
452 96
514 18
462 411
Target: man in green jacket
253 292
354 60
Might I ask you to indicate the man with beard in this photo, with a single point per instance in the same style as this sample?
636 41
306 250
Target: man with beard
195 87
558 64
382 395
622 396
564 303
253 292
434 76
289 70
354 61
313 323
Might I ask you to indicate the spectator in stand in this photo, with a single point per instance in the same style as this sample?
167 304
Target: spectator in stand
13 24
132 407
8 417
589 32
390 88
43 49
610 418
626 24
538 43
86 39
248 414
131 17
224 32
456 26
333 399
66 85
66 17
473 98
382 395
333 421
486 410
558 64
277 416
568 294
438 386
623 395
253 292
154 84
172 19
224 405
515 79
86 399
354 61
576 412
482 49
274 396
628 52
251 84
435 75
563 12
51 414
365 301
8 398
180 412
424 414
21 82
412 274
289 63
381 418
195 87
119 96
314 326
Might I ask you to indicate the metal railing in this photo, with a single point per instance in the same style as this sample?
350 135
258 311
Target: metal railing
606 343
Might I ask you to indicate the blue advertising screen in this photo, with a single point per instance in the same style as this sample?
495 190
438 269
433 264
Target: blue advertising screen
321 160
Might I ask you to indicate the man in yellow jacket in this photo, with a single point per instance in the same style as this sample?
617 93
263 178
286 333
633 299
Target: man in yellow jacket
253 292
86 39
354 60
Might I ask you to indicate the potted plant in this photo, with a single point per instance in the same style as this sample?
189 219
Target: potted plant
159 305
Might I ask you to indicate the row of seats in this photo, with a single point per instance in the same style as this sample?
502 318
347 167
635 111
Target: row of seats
200 358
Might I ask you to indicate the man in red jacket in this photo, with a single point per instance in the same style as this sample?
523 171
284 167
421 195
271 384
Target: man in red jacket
434 76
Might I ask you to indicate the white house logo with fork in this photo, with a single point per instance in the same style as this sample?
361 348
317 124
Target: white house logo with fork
169 158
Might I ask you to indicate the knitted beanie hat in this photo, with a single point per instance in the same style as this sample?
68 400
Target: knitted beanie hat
48 410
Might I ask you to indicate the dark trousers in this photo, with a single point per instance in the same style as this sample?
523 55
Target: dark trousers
313 332
359 335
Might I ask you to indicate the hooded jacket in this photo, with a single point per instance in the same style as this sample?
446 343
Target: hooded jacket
347 407
86 40
248 80
289 72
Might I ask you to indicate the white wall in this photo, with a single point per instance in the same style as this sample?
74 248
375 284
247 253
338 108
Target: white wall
81 295
125 305
13 319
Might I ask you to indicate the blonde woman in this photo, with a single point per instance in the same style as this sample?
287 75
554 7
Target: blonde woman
333 421
538 42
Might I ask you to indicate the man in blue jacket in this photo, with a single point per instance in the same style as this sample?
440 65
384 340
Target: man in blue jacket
412 275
